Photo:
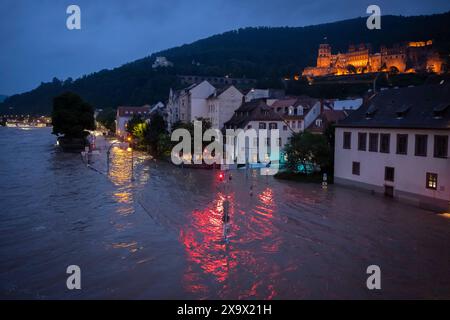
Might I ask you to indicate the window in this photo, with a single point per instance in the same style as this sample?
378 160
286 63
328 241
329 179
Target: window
385 142
262 125
421 145
249 126
402 144
355 168
279 142
318 122
362 141
285 128
347 140
373 142
273 125
431 181
440 146
389 174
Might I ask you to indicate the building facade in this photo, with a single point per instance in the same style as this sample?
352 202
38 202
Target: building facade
124 114
397 144
222 104
404 57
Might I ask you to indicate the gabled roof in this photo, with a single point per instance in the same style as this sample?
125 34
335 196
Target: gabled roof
422 107
255 110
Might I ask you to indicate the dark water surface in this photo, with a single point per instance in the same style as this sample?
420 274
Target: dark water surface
161 236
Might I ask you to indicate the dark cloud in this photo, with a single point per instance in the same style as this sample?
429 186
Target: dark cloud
36 46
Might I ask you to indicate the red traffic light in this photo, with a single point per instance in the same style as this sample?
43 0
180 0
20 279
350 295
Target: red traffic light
221 176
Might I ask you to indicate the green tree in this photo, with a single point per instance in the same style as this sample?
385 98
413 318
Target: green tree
107 118
71 116
306 148
135 120
155 132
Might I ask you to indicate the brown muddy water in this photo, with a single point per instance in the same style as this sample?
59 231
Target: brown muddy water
161 236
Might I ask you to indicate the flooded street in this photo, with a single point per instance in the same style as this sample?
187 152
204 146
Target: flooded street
161 236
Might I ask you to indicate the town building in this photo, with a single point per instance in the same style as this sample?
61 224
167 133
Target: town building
222 104
124 114
297 112
190 103
396 143
404 57
257 115
161 62
325 119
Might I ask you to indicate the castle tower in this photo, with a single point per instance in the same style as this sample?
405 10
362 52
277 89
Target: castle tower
324 56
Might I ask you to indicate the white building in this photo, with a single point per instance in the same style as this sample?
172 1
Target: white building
257 115
397 144
222 104
190 103
161 62
124 114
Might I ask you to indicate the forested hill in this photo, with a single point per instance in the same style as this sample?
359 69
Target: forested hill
251 52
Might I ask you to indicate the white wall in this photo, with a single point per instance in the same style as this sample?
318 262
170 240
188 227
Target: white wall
312 115
410 170
222 107
198 103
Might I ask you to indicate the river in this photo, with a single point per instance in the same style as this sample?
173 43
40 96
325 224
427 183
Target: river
161 236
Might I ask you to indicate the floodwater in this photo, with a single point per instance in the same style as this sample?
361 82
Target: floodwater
161 236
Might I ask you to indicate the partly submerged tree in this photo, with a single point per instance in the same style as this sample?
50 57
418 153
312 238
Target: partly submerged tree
72 116
156 135
306 148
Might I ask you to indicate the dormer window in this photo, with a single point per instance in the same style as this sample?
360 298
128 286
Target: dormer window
402 110
319 123
439 110
371 111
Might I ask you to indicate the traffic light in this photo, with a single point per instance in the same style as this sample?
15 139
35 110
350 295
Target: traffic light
221 176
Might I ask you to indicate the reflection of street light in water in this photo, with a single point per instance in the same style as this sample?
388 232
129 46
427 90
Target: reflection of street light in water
226 207
130 149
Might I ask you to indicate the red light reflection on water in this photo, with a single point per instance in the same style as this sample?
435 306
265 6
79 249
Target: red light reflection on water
250 240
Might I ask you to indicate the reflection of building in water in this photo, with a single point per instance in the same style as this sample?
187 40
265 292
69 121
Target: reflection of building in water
404 57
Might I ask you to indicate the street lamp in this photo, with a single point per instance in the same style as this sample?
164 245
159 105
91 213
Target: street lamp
130 148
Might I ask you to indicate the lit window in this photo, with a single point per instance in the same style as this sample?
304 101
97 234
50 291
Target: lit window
431 181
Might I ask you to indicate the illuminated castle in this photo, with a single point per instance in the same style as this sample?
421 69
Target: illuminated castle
403 58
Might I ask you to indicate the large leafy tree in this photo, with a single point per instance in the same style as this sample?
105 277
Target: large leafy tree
155 135
107 118
72 116
307 148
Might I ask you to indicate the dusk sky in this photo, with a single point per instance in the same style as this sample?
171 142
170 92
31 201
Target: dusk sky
37 46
